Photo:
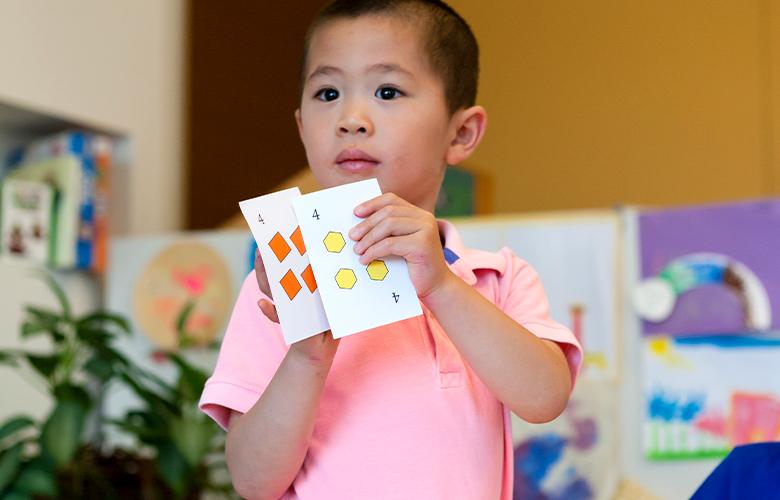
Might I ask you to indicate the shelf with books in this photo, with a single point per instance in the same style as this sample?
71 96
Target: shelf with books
56 198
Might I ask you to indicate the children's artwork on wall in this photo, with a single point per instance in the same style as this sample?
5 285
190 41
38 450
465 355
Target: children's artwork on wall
186 274
152 279
710 270
573 457
577 260
705 395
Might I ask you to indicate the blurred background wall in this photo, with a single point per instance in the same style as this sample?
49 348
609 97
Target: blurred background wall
590 104
602 102
115 66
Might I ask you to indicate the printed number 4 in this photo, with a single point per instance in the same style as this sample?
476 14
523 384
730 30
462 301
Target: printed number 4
316 215
260 219
396 297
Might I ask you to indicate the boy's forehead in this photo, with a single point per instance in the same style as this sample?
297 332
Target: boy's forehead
367 43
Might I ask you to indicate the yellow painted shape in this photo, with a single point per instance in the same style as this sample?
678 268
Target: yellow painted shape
661 346
346 278
596 359
377 270
334 242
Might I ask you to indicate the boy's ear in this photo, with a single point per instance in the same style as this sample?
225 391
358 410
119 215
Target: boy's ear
298 122
469 126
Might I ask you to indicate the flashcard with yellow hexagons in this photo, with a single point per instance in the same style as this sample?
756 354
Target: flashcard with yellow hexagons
294 289
356 297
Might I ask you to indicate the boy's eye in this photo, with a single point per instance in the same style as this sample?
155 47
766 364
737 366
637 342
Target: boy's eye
387 93
327 95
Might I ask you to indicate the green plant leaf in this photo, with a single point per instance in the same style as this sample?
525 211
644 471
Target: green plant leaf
62 432
45 365
181 320
100 319
191 379
16 495
45 317
147 426
112 355
10 461
151 378
14 425
9 358
75 393
192 436
157 403
30 329
62 298
173 468
43 321
99 367
36 480
98 339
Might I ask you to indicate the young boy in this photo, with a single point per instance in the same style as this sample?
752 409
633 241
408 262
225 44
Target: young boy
418 408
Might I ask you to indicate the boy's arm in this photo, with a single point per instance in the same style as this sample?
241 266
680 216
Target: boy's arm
528 374
266 446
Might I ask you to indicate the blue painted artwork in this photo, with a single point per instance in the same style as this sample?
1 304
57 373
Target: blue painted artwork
538 457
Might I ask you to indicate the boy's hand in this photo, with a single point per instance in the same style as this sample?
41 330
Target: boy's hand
393 226
320 348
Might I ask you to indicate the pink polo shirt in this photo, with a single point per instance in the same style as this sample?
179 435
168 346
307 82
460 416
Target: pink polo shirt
401 415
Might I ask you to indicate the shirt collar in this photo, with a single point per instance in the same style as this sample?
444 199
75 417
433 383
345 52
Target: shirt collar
464 261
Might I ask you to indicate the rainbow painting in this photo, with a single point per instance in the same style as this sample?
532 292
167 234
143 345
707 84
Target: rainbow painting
710 270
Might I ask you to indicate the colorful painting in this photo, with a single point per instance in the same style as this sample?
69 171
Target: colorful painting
710 270
705 395
185 274
573 457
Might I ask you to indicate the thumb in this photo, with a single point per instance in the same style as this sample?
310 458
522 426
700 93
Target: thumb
268 309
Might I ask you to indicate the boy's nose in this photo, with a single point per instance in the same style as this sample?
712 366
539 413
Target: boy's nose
355 124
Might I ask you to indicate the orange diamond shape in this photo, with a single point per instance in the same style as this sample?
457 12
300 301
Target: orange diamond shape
280 247
297 239
290 284
308 278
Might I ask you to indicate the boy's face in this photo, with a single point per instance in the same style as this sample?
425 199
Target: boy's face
372 107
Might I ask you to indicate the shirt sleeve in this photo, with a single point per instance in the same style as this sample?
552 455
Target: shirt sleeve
252 349
522 298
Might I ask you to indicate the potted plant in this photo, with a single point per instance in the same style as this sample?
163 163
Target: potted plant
61 455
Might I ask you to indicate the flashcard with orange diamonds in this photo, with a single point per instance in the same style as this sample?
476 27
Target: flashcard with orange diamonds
294 289
356 297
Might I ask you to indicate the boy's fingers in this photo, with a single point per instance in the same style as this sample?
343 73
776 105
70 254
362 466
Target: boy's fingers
375 218
262 277
367 208
392 226
268 309
394 245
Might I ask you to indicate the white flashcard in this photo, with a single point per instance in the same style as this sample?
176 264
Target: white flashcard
356 297
293 285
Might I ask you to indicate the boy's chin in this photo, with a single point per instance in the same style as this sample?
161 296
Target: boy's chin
339 177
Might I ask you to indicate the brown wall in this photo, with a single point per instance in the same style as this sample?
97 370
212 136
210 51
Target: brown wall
590 103
243 70
593 103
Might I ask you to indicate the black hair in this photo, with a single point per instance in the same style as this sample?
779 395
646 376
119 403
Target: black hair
452 49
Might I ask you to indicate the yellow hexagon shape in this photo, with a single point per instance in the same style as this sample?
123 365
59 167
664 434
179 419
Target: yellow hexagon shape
334 242
377 270
346 278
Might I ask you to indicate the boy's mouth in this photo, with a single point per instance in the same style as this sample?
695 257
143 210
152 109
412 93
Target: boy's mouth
355 160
